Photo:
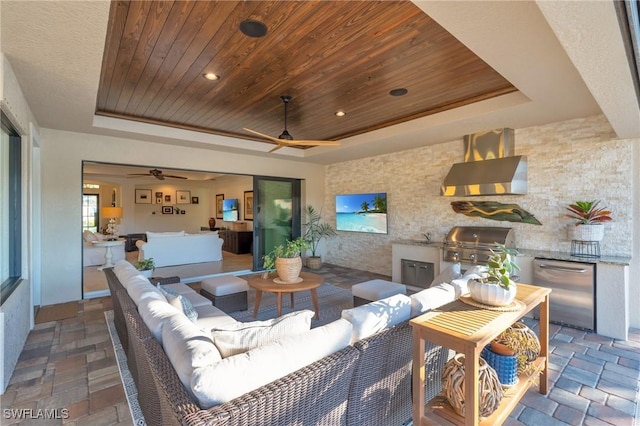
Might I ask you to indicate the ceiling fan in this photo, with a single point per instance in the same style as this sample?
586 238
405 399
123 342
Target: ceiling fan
157 174
285 139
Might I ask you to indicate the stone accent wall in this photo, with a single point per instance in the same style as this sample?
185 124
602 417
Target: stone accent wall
573 160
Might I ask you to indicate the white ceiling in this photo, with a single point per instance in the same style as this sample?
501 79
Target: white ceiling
566 58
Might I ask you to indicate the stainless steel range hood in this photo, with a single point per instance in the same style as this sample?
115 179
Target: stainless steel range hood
489 167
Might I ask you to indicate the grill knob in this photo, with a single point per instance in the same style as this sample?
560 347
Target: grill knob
472 256
455 255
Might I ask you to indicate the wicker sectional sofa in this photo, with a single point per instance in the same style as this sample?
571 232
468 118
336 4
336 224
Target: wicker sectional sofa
365 383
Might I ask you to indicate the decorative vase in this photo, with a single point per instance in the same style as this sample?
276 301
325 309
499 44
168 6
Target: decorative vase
490 391
506 366
212 223
314 262
587 232
492 294
288 269
524 342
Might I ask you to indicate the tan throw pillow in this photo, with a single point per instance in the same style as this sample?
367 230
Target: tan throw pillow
89 236
241 337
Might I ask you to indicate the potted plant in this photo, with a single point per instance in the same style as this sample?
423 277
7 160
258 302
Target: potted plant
496 288
286 260
146 267
316 230
589 219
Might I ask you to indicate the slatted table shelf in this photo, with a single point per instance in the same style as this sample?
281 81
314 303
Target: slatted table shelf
468 330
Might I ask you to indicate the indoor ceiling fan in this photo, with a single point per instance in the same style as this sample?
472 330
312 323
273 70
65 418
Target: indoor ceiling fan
157 174
285 139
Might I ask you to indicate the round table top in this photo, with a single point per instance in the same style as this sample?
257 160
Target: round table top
309 281
105 243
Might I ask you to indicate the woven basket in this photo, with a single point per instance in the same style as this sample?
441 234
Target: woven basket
288 268
490 391
524 342
506 366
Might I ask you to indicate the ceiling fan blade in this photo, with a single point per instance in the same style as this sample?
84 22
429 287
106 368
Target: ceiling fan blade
271 138
159 177
174 177
303 142
277 147
138 174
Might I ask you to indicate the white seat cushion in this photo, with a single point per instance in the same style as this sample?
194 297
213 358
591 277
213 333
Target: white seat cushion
154 313
241 337
377 289
431 298
210 317
234 376
376 316
225 285
449 274
178 288
196 299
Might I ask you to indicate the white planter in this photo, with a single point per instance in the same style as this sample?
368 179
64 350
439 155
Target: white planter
148 273
491 294
587 232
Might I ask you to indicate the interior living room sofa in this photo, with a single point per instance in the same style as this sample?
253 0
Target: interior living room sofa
93 255
353 371
180 248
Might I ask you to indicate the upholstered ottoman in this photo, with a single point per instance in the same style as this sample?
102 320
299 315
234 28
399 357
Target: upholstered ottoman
228 292
373 290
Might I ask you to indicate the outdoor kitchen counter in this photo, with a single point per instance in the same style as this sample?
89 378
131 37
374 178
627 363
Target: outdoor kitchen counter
557 255
421 243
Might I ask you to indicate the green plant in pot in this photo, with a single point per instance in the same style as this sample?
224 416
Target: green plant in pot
146 266
315 230
496 288
286 260
589 220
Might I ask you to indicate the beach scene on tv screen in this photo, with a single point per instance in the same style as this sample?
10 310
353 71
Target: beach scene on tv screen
362 213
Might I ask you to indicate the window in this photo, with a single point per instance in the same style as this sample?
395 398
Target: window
90 203
10 209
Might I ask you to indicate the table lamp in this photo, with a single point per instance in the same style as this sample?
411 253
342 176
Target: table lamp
112 213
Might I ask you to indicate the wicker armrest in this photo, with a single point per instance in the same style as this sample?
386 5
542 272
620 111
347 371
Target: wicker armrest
163 281
315 394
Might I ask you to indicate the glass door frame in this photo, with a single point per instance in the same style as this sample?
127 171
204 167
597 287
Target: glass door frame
296 215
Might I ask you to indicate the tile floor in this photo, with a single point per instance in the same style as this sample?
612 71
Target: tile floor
68 370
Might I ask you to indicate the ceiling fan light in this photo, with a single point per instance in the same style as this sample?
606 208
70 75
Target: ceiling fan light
252 28
340 113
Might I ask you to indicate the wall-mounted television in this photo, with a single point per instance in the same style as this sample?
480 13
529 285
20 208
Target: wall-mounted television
362 213
230 210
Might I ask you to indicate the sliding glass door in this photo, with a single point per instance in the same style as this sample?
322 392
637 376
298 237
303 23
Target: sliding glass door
276 214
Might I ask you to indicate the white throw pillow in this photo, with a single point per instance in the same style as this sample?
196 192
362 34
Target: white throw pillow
234 376
89 236
154 313
178 301
461 283
233 339
187 347
449 274
376 316
432 298
165 234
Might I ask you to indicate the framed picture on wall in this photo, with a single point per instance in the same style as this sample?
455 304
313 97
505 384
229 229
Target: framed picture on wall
158 197
167 210
168 199
143 196
195 200
219 200
183 197
248 205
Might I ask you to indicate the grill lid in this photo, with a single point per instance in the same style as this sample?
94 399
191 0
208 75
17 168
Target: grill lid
473 244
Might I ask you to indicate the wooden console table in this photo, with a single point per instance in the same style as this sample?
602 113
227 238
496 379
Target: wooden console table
466 329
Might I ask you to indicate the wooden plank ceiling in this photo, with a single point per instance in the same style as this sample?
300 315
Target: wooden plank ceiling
327 55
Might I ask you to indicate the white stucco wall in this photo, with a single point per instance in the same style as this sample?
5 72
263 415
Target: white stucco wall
62 156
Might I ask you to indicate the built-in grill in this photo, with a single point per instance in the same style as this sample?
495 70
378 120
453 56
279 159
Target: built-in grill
473 244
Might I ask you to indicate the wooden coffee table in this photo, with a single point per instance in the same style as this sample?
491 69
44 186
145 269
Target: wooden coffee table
309 282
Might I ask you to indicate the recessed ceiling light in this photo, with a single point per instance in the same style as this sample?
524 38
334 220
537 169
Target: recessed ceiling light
398 92
252 28
211 76
340 113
